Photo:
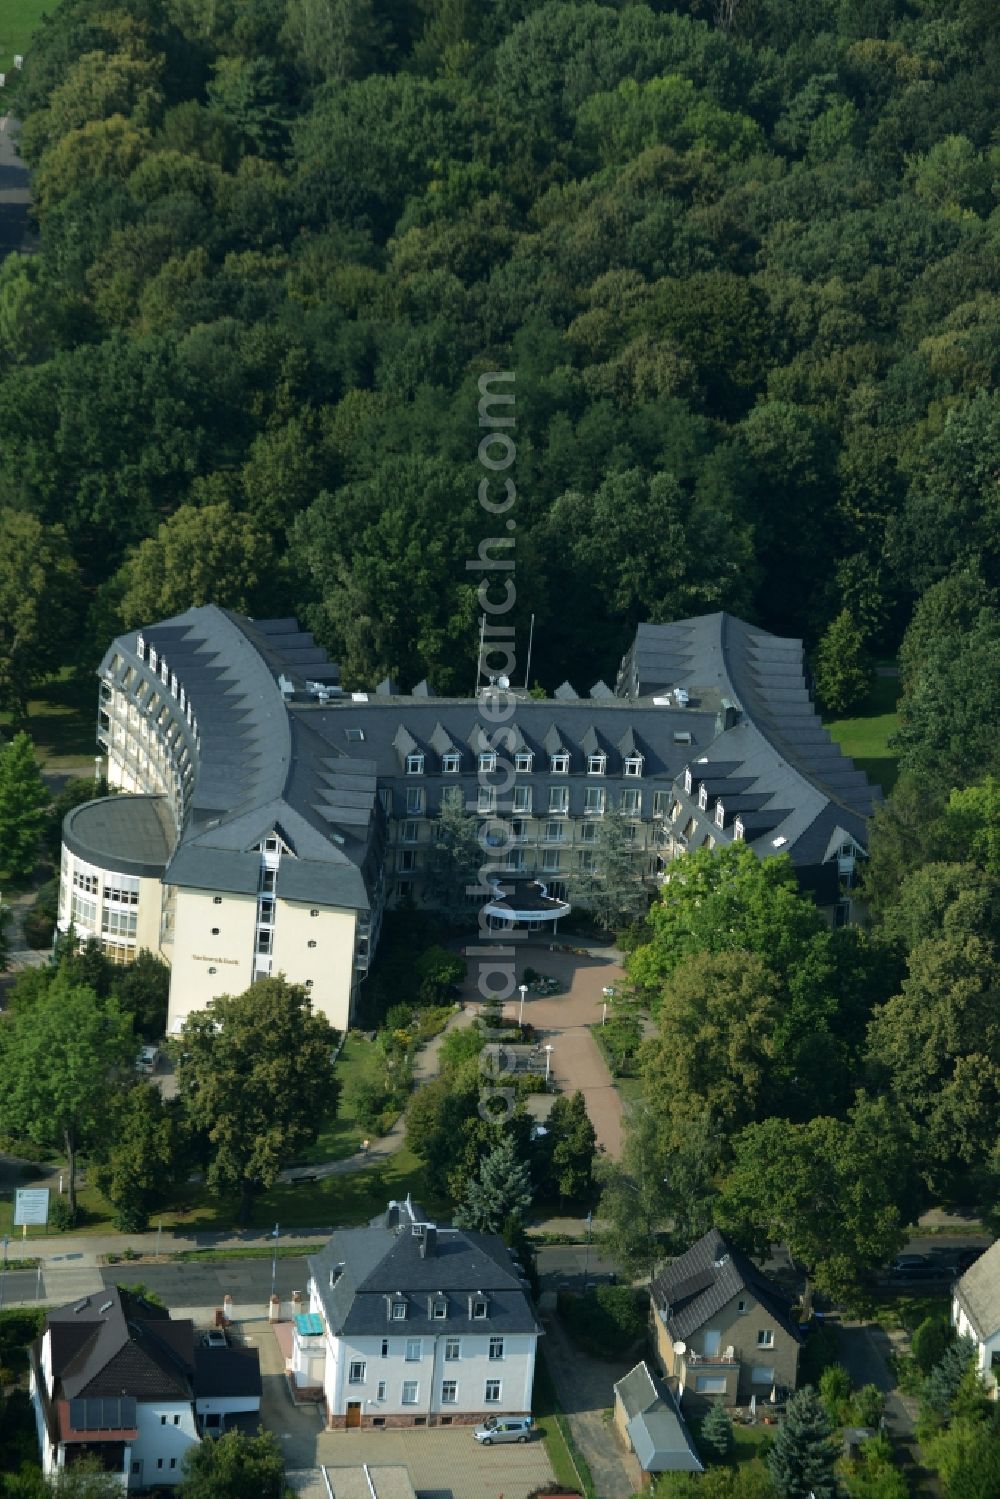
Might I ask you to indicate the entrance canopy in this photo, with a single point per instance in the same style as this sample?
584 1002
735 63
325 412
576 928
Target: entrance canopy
524 903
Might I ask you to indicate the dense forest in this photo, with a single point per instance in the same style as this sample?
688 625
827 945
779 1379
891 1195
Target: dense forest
742 258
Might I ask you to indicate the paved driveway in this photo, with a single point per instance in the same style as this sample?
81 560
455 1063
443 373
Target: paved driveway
563 1021
443 1464
585 1387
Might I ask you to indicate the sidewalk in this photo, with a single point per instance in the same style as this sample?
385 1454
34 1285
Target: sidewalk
425 1069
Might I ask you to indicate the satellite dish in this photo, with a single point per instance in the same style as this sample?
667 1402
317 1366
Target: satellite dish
680 1346
503 683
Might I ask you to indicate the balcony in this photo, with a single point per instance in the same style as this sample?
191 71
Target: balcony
728 1359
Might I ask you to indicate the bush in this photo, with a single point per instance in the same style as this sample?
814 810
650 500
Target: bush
61 1217
835 1393
606 1322
930 1341
869 1405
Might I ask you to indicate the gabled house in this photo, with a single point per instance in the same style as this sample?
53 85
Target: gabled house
975 1313
648 1421
115 1378
722 1331
412 1324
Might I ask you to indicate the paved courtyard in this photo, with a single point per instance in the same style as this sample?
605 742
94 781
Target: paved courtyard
443 1464
562 1021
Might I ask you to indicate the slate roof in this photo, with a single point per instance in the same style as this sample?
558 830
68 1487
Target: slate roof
706 1278
268 754
368 1266
134 835
978 1293
659 1436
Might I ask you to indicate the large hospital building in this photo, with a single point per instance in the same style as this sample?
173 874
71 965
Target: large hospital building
264 818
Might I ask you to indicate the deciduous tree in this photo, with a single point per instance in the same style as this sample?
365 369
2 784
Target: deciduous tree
234 1466
38 604
255 1077
62 1056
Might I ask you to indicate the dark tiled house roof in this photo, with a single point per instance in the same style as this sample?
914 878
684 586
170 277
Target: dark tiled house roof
706 1278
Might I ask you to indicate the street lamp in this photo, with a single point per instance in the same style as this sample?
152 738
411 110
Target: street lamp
586 1263
274 1260
520 1014
3 1270
609 994
548 1060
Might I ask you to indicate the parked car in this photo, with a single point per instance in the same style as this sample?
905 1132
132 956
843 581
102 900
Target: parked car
920 1267
216 1338
504 1429
147 1059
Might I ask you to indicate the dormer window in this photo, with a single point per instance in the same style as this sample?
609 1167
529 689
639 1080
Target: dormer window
559 764
522 761
720 815
738 830
439 1307
451 763
703 797
487 762
152 657
140 647
477 1308
414 765
398 1308
633 765
688 783
596 764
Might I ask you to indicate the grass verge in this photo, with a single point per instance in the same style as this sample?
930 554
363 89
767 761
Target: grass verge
19 21
568 1463
865 737
249 1252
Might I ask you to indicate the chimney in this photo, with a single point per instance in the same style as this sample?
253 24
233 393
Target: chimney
428 1241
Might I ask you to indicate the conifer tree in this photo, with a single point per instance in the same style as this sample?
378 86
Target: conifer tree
801 1461
843 672
717 1433
501 1192
23 804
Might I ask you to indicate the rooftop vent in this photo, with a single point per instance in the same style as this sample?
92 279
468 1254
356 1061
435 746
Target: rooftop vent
721 1261
82 1305
106 1306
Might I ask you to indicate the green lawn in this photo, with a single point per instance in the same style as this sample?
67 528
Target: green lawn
351 1199
865 738
341 1137
62 718
18 19
907 1309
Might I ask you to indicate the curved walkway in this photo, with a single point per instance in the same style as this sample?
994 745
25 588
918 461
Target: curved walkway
425 1068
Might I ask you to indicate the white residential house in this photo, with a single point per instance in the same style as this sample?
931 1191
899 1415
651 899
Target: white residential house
975 1313
115 1378
412 1324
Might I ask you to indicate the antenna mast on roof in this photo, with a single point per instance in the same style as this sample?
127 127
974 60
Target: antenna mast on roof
527 669
479 658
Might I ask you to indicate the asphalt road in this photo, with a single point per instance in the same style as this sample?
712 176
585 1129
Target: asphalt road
14 195
197 1287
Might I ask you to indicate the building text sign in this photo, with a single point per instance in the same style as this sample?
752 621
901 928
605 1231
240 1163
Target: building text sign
31 1205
